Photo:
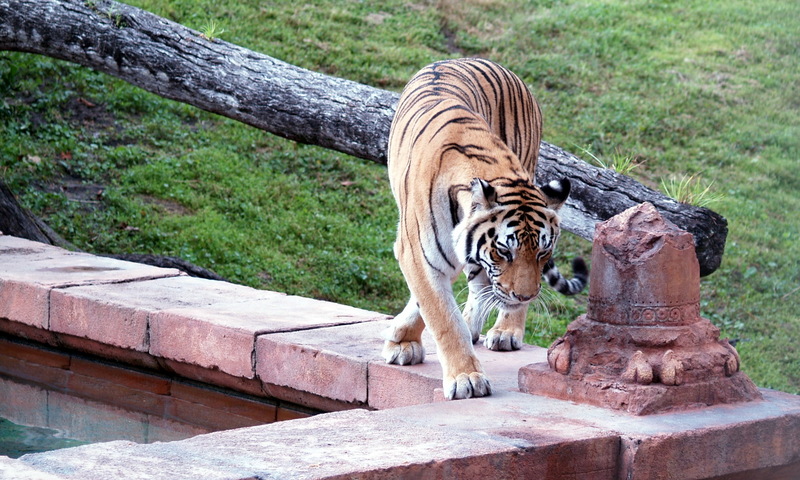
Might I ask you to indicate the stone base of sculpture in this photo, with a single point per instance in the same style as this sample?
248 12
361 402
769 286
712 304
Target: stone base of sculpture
642 346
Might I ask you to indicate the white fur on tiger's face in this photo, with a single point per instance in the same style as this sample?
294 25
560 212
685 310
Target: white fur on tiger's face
509 236
462 155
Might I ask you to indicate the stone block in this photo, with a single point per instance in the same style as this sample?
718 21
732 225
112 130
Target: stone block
551 444
124 327
48 266
17 470
393 386
506 435
330 362
117 314
359 444
762 438
336 362
29 271
224 343
345 444
222 336
24 302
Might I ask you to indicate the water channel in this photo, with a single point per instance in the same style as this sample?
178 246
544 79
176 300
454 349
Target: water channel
51 399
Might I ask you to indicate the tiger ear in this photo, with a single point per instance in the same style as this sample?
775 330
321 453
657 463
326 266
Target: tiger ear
484 195
556 193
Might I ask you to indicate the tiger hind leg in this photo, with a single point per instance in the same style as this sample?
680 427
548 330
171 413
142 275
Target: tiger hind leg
508 331
403 340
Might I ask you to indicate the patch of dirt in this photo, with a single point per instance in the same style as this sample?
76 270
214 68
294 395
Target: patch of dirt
265 277
169 206
460 15
450 39
77 191
89 114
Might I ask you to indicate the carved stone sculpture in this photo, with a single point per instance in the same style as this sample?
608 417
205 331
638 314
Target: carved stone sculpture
642 345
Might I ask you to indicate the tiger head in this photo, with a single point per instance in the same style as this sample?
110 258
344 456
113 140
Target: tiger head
510 234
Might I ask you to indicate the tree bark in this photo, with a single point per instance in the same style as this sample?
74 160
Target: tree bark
19 222
176 62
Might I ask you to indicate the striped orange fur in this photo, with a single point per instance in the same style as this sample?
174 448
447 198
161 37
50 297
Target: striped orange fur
462 156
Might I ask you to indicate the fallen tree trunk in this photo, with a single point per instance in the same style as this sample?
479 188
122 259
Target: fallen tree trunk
176 62
19 222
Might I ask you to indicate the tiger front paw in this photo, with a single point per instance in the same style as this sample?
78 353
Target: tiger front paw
466 385
503 340
403 353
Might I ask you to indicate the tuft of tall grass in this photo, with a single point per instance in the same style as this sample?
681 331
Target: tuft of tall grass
691 190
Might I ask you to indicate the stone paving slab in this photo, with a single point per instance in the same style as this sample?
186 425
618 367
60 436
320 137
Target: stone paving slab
511 434
330 362
392 386
716 441
345 363
30 270
223 336
118 314
693 444
352 444
12 469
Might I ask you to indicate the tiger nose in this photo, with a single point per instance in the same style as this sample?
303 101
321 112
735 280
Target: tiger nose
523 298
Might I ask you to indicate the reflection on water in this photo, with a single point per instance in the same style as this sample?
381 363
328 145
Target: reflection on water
54 399
36 419
17 440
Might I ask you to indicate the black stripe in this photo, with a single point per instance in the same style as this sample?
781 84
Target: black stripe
424 253
439 113
434 224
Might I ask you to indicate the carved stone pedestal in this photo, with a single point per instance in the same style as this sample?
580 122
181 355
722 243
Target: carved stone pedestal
642 345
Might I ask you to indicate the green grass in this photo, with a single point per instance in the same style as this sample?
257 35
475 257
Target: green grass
702 90
688 189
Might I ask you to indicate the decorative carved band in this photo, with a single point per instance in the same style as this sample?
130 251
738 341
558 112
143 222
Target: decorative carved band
642 314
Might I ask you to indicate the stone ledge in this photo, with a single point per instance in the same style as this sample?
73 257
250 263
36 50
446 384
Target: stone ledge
243 339
344 363
147 316
508 435
353 444
127 308
29 271
540 379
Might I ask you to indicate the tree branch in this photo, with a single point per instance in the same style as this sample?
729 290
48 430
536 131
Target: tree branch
175 62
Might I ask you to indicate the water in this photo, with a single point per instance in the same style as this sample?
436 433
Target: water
17 440
51 399
37 419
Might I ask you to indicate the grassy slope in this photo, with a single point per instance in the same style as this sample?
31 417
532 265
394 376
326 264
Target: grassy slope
695 88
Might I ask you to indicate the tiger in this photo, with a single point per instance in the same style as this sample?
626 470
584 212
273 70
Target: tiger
461 158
